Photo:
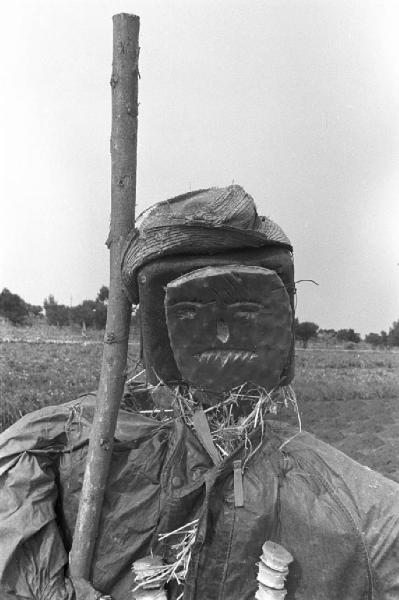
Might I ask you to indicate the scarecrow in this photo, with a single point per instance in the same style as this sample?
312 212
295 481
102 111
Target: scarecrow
210 494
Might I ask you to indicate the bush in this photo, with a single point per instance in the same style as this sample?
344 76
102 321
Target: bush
56 314
348 335
91 313
376 339
12 307
393 335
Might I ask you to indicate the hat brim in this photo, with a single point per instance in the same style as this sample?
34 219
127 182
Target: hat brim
151 244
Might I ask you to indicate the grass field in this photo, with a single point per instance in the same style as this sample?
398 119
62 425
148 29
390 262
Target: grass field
47 365
347 398
350 399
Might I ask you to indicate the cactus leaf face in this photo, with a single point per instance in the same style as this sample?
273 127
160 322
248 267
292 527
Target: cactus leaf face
229 325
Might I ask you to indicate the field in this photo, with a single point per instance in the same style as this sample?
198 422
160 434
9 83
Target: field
349 398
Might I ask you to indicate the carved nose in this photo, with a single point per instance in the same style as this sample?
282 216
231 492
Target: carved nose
222 331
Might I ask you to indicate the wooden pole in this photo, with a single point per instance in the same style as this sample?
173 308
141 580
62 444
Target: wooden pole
124 83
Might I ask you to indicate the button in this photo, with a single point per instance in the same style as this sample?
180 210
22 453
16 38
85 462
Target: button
176 481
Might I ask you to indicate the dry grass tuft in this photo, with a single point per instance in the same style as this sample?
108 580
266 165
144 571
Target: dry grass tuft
157 576
236 415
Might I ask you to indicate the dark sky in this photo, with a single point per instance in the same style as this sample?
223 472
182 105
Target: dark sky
297 101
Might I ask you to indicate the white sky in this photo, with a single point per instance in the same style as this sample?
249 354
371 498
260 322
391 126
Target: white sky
297 101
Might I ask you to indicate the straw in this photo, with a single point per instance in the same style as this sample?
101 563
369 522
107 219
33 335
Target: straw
162 574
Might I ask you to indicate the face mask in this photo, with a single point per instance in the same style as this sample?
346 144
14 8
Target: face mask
229 325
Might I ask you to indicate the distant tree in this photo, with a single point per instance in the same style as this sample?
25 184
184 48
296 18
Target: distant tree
348 335
100 315
12 307
328 332
393 334
90 313
84 313
374 339
49 301
103 294
34 309
56 314
305 331
384 338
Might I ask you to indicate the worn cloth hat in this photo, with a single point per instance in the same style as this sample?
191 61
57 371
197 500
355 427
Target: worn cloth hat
201 222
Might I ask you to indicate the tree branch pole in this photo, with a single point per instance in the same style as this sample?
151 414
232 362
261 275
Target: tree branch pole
124 83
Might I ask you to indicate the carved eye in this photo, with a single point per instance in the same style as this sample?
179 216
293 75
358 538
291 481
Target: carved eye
186 311
246 310
186 314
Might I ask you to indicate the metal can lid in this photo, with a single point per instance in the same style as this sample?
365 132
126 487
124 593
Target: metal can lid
147 563
275 556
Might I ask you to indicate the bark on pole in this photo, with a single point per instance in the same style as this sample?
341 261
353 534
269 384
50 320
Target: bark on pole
124 84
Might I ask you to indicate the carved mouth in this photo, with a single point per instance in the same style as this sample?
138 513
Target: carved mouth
226 356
